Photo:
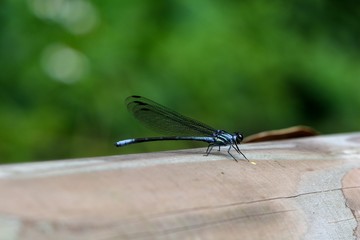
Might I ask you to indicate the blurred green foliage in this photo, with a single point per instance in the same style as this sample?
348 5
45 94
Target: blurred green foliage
68 65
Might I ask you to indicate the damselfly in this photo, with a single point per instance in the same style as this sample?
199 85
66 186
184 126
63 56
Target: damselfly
165 120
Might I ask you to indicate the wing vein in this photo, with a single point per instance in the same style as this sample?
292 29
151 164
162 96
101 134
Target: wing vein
164 120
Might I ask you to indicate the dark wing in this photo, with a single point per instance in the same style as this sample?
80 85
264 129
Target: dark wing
164 120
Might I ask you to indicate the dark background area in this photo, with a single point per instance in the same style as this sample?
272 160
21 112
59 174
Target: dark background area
248 66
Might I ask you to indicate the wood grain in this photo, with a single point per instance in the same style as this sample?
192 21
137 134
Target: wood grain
304 188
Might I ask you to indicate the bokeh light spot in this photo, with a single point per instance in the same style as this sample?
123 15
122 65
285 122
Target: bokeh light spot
77 16
63 63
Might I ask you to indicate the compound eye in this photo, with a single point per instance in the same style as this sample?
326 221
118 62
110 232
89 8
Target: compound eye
239 137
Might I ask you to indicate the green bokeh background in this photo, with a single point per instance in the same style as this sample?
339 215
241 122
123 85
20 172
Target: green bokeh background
249 66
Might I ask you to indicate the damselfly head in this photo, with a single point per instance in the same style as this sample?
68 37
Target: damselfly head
238 137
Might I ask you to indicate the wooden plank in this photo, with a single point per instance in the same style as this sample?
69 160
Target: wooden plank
299 189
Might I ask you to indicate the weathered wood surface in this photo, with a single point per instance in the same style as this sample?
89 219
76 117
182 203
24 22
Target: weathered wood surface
299 189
